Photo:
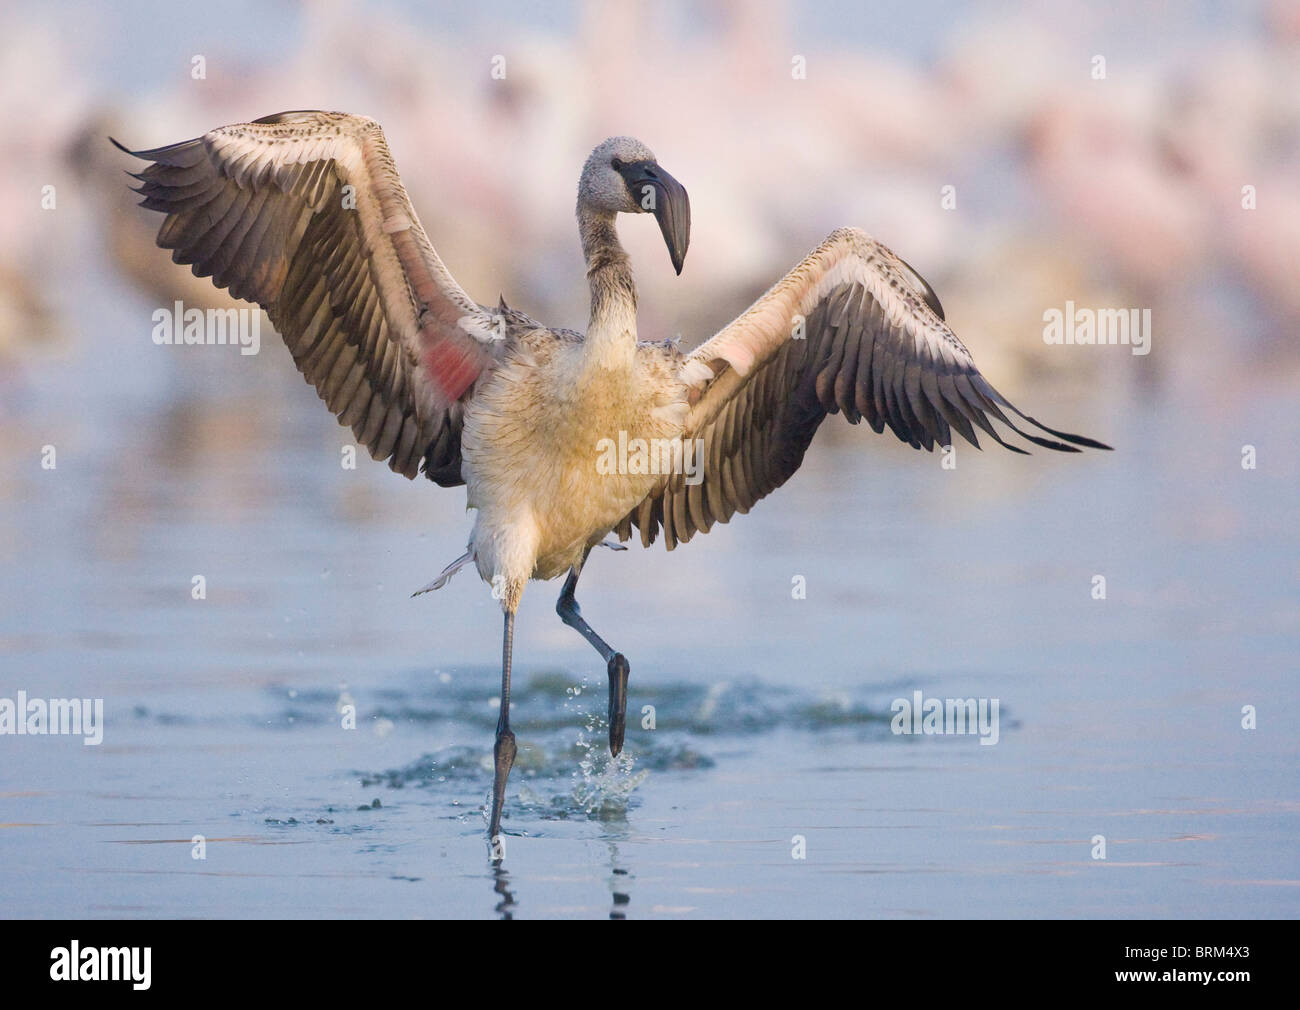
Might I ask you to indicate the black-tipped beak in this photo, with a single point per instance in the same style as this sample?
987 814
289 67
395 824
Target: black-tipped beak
660 194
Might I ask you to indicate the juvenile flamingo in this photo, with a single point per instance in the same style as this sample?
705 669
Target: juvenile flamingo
304 213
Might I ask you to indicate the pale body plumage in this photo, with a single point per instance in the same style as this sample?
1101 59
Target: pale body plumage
304 213
529 446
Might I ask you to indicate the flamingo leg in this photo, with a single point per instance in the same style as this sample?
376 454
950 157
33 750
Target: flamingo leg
503 753
571 614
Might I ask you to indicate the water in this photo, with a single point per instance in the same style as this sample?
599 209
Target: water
1118 718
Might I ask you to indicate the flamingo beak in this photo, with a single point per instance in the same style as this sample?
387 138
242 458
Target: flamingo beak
658 193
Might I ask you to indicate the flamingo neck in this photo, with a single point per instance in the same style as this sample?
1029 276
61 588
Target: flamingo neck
611 332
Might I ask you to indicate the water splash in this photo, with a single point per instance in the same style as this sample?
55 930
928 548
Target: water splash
564 768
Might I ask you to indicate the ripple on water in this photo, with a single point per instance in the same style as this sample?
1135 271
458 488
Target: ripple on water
564 768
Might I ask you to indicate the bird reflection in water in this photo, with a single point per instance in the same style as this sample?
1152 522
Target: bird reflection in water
619 879
501 885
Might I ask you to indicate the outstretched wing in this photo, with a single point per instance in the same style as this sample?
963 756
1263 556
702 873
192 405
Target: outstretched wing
852 328
304 214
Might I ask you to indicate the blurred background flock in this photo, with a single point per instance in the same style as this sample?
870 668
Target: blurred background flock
786 120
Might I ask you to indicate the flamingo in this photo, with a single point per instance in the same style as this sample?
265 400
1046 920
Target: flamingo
304 213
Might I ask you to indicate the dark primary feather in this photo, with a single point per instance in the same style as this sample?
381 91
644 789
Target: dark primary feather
853 360
280 236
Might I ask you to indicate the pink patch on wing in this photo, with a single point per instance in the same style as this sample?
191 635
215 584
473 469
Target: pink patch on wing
451 365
